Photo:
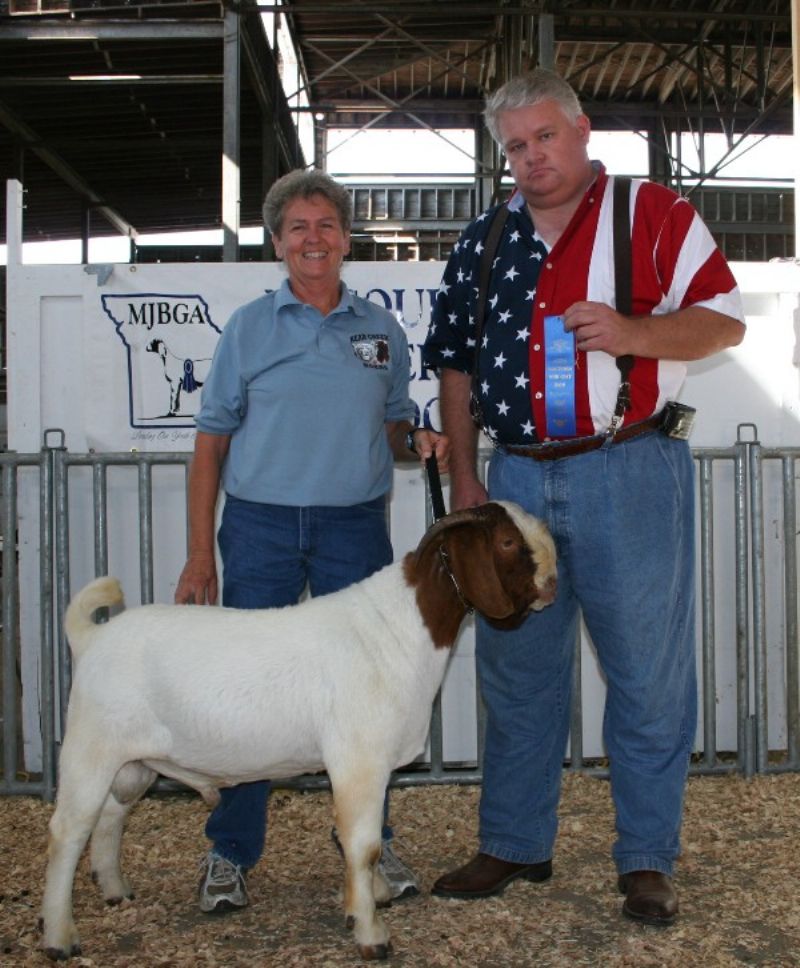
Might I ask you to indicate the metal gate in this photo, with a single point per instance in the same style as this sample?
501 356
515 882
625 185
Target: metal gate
765 640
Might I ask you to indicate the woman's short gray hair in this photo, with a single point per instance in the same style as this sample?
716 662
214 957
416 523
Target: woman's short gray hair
303 183
529 89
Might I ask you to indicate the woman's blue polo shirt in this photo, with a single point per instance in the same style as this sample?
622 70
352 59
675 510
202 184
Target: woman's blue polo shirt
305 399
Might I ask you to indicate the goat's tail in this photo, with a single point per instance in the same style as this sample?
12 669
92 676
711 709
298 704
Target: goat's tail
103 592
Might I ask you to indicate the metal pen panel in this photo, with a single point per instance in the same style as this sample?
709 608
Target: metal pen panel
48 671
146 528
744 722
754 662
707 601
100 507
58 458
11 783
790 593
10 710
436 737
759 605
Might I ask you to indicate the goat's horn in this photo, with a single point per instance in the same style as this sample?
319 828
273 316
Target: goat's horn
454 518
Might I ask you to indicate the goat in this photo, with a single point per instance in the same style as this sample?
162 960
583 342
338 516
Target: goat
213 697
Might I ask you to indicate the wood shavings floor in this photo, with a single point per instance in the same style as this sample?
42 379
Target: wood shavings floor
738 880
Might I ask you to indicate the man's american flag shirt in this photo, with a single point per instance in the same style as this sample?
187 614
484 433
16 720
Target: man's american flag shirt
676 264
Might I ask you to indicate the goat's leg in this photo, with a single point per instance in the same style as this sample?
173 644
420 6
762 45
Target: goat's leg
82 790
174 397
358 801
128 786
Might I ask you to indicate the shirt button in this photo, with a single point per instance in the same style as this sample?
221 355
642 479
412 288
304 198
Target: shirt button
547 439
549 265
537 347
539 395
542 305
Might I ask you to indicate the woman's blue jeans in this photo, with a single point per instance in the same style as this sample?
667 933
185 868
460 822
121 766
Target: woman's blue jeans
622 520
269 554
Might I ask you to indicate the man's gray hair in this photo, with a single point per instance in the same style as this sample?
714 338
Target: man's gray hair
305 184
529 89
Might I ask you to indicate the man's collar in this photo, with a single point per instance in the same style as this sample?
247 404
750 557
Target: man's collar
517 203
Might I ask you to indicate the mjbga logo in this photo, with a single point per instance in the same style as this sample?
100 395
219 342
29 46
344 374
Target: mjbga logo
169 341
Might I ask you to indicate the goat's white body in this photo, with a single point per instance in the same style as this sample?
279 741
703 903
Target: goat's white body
214 696
242 695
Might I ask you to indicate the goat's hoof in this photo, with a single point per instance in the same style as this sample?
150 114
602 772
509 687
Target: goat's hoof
384 904
116 901
60 954
375 952
350 922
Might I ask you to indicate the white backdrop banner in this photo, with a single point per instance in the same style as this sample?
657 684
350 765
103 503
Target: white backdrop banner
115 357
150 334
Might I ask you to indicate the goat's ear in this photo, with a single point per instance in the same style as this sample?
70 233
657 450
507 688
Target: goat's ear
471 553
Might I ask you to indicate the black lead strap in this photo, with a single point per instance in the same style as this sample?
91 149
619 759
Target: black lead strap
435 487
437 505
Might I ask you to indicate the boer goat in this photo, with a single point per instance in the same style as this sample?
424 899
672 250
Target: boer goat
216 696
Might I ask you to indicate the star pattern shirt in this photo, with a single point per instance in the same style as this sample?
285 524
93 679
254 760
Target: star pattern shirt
675 264
503 384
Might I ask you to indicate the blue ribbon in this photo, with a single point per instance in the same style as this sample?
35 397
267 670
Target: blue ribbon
188 381
559 376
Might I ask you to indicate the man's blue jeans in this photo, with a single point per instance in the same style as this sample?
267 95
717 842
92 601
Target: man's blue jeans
269 553
622 520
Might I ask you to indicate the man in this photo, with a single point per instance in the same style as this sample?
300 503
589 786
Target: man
599 465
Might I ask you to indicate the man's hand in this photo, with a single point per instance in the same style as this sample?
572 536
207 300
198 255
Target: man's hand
599 327
687 334
467 494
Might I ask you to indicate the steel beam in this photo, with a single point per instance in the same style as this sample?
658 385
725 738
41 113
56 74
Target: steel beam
231 137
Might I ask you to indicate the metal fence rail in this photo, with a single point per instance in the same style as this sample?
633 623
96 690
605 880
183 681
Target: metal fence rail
14 779
744 469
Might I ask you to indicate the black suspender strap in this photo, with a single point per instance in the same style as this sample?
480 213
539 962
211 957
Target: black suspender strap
623 286
490 246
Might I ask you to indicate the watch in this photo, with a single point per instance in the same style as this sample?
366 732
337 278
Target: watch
410 440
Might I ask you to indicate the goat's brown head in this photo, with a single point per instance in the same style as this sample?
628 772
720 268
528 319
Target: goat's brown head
495 558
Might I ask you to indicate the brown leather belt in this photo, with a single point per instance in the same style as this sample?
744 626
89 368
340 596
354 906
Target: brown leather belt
582 445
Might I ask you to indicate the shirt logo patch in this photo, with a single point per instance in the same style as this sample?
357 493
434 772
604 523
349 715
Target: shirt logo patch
372 350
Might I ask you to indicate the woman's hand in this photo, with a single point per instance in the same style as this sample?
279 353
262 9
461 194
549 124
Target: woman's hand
198 582
428 443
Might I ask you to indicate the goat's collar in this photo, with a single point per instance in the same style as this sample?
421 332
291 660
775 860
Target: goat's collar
445 559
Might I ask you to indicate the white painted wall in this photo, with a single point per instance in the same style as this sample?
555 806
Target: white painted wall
69 368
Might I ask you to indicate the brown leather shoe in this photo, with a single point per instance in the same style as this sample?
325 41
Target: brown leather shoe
649 897
486 876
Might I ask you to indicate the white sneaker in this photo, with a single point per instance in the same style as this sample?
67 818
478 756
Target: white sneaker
222 886
401 879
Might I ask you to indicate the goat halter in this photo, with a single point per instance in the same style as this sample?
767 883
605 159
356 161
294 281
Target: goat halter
445 559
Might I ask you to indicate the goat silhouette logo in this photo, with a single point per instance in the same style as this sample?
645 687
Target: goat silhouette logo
169 341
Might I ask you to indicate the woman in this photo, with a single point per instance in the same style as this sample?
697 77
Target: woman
304 409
